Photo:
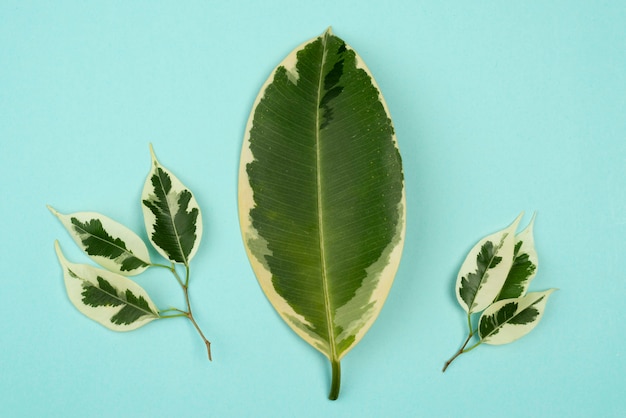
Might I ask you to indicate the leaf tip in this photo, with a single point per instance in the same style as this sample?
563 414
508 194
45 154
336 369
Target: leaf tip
531 224
57 249
53 210
155 162
517 220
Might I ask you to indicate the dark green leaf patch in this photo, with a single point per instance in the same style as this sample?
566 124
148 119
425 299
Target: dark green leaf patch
98 242
490 325
175 227
135 308
104 294
331 91
521 270
526 316
485 260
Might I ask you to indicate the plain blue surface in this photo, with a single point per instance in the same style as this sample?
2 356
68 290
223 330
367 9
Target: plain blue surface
498 106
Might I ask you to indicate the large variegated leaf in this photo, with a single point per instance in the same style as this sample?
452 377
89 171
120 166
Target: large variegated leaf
510 319
107 242
109 298
321 196
524 267
485 269
171 214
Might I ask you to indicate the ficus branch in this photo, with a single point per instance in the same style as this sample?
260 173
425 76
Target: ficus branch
188 313
185 288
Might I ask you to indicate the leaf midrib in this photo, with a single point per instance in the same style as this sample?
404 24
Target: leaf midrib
320 218
524 281
124 250
484 275
116 296
169 214
516 314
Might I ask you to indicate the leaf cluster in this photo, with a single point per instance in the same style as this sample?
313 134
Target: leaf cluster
107 295
493 282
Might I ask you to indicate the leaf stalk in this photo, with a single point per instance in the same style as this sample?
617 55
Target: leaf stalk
336 380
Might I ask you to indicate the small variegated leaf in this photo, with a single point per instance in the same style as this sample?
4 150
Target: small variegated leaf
171 214
510 319
485 269
524 266
107 242
108 298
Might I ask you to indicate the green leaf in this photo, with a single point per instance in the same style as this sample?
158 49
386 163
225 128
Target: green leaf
524 266
510 319
321 196
171 214
485 269
109 298
107 242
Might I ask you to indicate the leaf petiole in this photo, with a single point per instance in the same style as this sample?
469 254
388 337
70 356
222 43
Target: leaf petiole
336 380
186 274
172 310
173 316
165 266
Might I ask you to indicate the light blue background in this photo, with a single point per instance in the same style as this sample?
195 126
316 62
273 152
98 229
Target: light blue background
498 106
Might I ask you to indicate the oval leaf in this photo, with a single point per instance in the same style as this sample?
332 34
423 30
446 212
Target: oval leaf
111 299
485 269
524 268
107 242
321 195
510 319
171 214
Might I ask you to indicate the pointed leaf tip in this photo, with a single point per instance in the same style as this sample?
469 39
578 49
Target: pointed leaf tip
57 250
153 155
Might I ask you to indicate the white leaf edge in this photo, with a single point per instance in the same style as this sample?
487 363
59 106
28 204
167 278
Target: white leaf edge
134 243
101 314
489 289
150 218
508 333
